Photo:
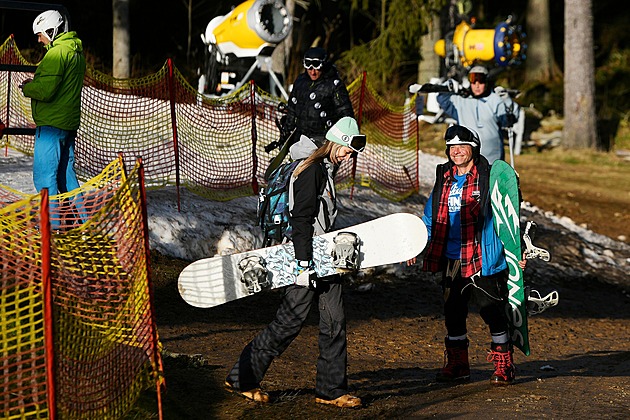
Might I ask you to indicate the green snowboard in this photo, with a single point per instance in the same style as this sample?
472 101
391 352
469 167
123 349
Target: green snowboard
504 195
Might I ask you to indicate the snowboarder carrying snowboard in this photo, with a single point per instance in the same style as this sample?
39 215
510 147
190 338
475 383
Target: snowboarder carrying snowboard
308 217
465 248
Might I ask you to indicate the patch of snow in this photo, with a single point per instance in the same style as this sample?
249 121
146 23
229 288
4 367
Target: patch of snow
570 225
204 228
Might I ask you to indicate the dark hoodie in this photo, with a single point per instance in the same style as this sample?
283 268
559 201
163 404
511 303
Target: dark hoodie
313 200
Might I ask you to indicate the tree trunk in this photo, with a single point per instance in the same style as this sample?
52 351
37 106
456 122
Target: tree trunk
580 130
121 56
540 65
383 27
189 7
281 54
429 65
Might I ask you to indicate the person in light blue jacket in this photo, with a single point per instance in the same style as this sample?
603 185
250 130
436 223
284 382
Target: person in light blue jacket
484 111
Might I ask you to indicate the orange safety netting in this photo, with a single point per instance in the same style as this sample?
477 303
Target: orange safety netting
96 349
215 147
389 164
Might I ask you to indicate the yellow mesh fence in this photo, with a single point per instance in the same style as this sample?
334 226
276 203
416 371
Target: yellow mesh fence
105 340
214 147
23 389
131 117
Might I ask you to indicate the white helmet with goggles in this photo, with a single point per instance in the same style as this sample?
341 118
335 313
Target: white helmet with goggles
346 133
459 134
48 24
478 74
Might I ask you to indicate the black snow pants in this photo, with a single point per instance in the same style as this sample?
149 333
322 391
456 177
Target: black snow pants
489 294
257 356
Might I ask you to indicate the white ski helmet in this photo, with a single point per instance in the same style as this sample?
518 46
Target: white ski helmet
48 23
460 134
479 69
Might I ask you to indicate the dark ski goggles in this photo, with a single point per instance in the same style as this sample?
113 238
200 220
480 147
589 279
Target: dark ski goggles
477 78
313 63
456 134
355 142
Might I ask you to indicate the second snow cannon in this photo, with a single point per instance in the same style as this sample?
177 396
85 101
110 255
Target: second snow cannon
465 45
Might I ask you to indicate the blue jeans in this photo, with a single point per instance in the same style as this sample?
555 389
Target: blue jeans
53 168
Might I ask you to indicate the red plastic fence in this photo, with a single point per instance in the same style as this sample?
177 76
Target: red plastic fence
213 146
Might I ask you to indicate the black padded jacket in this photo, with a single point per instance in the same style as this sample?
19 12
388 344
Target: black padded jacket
314 106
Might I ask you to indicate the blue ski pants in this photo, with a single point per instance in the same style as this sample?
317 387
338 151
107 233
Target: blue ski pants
53 167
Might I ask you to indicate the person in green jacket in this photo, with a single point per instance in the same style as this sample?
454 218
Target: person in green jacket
55 92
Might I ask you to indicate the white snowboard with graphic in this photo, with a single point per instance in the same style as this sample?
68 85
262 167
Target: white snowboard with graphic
387 240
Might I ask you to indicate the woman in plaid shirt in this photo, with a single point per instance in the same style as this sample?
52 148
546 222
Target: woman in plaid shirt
465 248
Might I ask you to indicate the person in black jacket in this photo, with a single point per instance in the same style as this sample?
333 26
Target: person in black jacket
318 100
307 219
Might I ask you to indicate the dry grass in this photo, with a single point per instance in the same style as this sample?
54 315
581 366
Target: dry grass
589 187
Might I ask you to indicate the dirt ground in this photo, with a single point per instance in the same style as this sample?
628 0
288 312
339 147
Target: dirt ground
579 365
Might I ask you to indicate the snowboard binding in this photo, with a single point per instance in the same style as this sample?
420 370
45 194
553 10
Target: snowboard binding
531 251
346 251
537 304
254 273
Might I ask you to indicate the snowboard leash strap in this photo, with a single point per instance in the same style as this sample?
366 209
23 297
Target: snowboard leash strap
473 282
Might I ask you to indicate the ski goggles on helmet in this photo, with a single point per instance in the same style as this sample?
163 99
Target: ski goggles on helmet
356 142
478 78
457 134
313 63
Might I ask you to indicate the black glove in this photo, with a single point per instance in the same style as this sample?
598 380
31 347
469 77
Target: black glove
21 85
273 145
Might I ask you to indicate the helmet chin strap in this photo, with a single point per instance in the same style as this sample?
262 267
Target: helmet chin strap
48 36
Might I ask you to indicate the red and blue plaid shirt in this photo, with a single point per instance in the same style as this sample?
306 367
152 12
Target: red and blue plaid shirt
470 256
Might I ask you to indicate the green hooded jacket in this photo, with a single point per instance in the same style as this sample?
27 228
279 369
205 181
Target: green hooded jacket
55 90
